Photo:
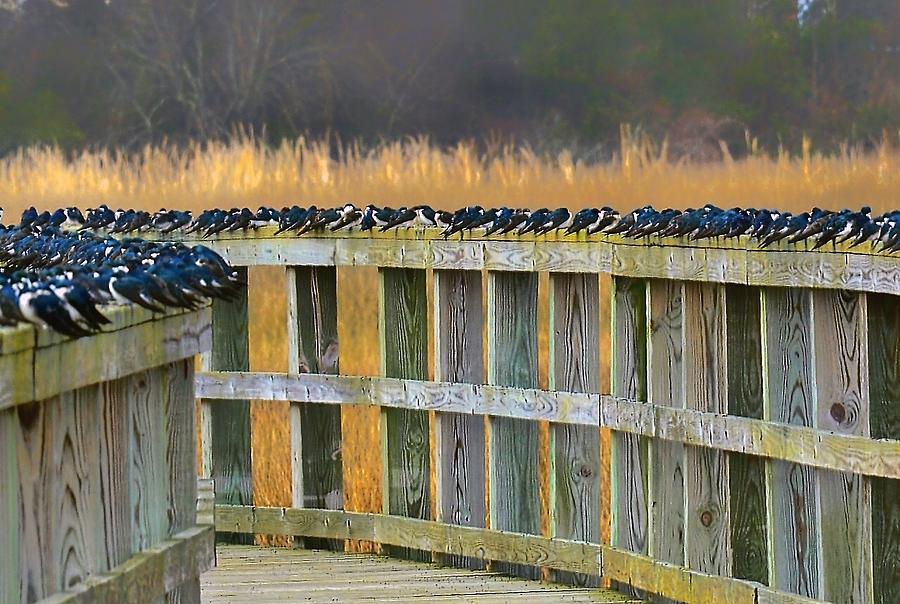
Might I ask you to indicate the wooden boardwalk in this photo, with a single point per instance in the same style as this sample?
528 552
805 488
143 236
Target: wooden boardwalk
265 574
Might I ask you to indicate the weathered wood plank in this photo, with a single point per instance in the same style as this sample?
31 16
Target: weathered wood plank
459 348
795 560
147 576
315 428
403 322
618 564
61 523
9 506
181 462
666 521
842 401
708 539
884 421
629 380
575 450
229 423
115 476
512 361
149 475
745 398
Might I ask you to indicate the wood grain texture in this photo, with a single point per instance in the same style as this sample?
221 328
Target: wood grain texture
665 388
629 451
884 421
745 398
575 462
229 423
795 556
708 507
512 361
149 473
842 401
405 435
61 523
9 506
181 462
315 428
115 476
459 354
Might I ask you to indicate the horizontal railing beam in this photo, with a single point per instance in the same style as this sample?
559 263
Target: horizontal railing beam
575 556
808 446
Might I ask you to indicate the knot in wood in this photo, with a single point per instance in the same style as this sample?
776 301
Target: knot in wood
706 518
585 471
838 412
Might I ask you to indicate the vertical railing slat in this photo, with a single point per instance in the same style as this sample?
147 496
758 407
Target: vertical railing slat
884 421
459 347
747 475
9 506
316 467
115 444
149 472
629 486
842 401
575 450
789 392
708 527
405 434
227 423
512 361
665 388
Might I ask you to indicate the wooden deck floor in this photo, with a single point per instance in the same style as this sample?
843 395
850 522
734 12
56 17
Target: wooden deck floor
257 574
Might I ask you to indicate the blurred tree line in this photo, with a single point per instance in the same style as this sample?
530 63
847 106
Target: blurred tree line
553 74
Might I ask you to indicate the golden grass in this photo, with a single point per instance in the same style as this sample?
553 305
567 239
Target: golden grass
246 173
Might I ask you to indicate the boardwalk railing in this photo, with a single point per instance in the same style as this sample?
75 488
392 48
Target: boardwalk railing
98 489
754 411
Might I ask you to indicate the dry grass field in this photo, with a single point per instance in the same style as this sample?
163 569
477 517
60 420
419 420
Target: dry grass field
246 173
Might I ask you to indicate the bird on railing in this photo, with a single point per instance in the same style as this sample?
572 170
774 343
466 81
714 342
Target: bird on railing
465 218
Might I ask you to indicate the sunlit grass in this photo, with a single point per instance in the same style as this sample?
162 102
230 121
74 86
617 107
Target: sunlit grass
244 172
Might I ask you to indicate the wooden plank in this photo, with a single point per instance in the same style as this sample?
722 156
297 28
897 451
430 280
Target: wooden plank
459 348
708 528
181 462
403 322
621 565
512 361
229 423
629 451
842 401
9 506
317 474
795 561
575 450
745 398
665 387
61 521
149 475
115 475
808 446
147 576
884 421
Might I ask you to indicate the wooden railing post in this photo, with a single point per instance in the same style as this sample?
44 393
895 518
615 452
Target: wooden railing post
403 323
707 488
629 518
9 506
884 421
666 488
514 444
459 347
226 424
747 475
316 468
575 472
795 541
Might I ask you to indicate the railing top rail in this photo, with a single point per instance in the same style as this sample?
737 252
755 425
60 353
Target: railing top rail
36 364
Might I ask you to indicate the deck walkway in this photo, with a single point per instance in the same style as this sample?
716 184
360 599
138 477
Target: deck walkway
264 574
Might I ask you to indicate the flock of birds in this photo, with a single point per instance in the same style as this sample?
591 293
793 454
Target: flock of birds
61 279
764 226
58 268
